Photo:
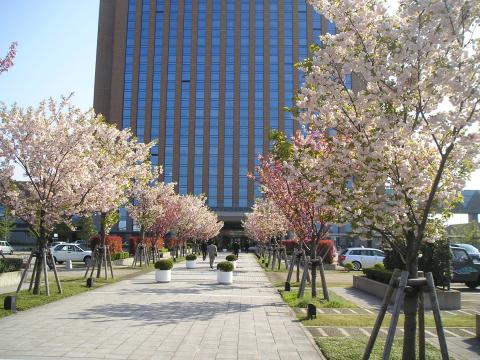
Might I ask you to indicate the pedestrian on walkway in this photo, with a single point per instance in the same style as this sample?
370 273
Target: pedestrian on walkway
204 246
236 248
212 253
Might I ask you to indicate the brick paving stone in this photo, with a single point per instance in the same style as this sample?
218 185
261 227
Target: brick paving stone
192 317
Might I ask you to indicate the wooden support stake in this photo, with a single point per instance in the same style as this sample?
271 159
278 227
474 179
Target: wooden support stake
301 288
421 325
57 280
436 314
292 265
24 273
326 296
381 314
33 274
104 260
45 274
395 315
109 259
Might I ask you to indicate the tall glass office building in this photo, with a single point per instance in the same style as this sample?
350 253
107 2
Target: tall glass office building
208 80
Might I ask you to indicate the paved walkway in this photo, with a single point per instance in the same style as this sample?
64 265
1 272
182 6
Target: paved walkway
190 318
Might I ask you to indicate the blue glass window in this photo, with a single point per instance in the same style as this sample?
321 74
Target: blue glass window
142 72
129 50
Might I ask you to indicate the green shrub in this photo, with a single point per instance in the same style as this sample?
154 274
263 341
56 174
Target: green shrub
10 264
165 264
191 257
348 266
231 258
392 260
120 256
381 275
436 259
225 266
379 266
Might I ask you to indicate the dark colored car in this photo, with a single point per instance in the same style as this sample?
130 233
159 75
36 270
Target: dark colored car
464 269
472 251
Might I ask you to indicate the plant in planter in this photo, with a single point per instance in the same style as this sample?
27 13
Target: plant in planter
191 261
233 259
164 270
225 272
348 267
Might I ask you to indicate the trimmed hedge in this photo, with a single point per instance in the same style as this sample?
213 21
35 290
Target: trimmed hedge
378 274
191 257
164 264
10 264
120 256
133 241
225 266
114 242
231 258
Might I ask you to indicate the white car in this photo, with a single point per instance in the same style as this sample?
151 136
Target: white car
361 257
64 252
6 248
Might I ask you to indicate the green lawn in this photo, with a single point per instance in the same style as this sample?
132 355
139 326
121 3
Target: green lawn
342 348
336 301
70 286
369 320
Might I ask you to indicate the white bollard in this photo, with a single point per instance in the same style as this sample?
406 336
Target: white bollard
68 265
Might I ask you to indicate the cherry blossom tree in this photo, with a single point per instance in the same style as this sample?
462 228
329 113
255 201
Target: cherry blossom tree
152 203
7 62
307 210
171 202
145 207
406 138
266 222
196 220
68 169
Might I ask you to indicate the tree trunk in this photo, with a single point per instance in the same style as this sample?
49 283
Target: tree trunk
314 269
41 249
411 302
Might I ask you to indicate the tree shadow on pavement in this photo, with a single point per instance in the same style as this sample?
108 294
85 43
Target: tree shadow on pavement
164 313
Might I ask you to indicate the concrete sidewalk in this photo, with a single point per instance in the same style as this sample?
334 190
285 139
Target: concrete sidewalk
190 318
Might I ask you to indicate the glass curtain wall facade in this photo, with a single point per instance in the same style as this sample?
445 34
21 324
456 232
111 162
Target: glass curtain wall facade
208 80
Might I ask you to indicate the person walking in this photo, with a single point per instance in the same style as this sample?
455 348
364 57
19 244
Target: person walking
212 253
204 246
236 248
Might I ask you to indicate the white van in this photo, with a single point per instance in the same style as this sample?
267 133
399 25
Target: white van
6 248
361 257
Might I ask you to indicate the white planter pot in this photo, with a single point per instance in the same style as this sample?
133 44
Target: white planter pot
163 275
191 264
224 277
234 264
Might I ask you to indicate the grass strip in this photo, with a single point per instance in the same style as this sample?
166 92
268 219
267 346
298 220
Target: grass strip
342 348
369 320
336 301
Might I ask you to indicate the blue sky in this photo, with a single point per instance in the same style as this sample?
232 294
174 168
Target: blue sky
57 42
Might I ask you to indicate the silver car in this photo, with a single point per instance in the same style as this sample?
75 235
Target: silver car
6 248
64 252
361 257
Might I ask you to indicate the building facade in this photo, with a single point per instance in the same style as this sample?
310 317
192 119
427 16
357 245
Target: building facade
208 80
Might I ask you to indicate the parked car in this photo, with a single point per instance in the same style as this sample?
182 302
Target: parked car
472 251
55 243
6 248
82 244
464 269
361 257
64 252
